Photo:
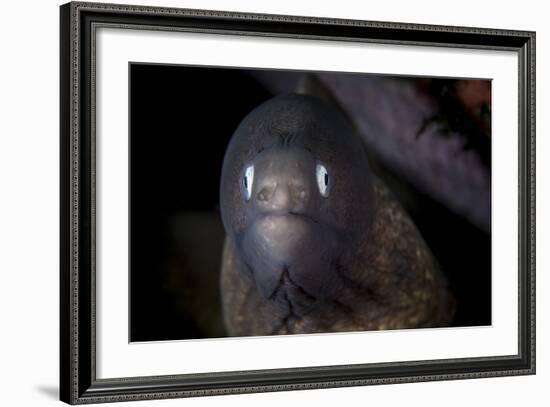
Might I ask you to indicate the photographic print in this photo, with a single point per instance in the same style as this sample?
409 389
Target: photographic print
271 202
256 202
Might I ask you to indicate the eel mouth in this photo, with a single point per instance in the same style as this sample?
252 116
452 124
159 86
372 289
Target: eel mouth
290 257
282 234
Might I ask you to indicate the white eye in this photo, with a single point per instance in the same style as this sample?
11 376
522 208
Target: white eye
248 179
322 179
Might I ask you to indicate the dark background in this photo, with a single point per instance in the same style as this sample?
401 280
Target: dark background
180 123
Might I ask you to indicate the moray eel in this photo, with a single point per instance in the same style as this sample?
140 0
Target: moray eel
315 242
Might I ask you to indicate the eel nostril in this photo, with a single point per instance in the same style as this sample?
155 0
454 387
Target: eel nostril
282 195
299 193
265 194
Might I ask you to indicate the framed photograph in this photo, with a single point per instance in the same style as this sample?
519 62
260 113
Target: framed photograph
255 203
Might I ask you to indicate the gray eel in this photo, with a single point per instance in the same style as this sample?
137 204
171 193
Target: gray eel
315 241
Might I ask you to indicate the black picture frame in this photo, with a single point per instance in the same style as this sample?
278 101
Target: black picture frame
78 382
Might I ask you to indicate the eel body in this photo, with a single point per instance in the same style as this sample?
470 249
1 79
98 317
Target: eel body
315 241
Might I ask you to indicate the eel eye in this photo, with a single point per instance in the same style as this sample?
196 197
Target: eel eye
248 179
322 179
